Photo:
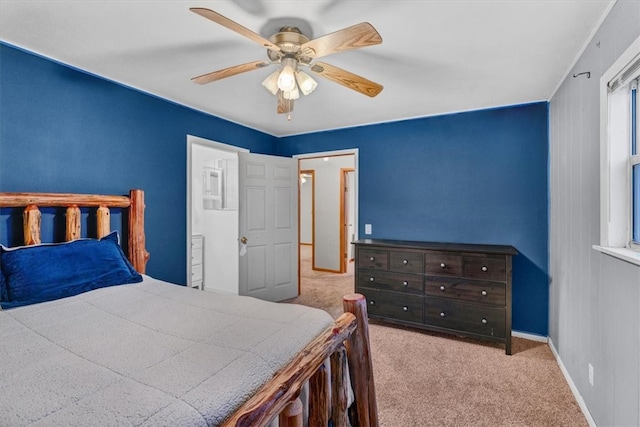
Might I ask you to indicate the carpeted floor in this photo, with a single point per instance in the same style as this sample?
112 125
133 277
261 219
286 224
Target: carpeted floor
432 379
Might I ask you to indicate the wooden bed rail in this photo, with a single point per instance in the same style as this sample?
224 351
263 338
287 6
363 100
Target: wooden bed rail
327 398
31 202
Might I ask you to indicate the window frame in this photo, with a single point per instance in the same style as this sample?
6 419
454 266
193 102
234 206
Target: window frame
634 162
617 160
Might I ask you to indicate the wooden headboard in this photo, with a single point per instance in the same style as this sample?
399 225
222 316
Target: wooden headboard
31 202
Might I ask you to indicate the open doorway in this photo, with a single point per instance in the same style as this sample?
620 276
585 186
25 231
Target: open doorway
212 215
242 221
327 216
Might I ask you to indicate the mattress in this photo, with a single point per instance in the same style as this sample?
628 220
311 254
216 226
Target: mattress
151 353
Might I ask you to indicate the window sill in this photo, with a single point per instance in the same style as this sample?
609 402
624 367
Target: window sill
625 254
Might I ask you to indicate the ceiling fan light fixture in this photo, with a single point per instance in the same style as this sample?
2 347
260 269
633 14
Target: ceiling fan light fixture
305 82
271 82
291 48
287 78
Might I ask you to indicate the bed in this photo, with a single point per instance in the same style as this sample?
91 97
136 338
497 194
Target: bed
87 338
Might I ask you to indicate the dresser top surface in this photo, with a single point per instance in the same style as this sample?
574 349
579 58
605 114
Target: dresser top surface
438 246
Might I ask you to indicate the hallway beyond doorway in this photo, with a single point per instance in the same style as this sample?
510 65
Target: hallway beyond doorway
322 289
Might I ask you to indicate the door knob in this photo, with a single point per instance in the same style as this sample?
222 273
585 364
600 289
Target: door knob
243 240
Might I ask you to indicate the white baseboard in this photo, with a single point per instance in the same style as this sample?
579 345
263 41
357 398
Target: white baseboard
572 386
528 336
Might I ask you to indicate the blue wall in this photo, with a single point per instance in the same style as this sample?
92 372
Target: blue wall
477 177
62 130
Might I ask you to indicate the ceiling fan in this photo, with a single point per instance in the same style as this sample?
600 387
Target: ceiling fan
293 50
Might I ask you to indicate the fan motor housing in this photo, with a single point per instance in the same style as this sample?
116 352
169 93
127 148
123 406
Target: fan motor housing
289 39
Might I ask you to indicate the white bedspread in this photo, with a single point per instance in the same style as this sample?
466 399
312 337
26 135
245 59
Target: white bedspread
146 354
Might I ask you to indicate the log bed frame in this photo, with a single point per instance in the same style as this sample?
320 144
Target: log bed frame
346 342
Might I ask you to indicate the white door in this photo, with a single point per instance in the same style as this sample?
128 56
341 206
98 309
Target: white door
268 226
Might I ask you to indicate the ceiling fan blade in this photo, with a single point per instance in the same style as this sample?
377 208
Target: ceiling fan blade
284 105
228 72
234 26
345 78
354 37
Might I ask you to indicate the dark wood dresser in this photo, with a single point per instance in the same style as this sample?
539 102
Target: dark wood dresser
463 289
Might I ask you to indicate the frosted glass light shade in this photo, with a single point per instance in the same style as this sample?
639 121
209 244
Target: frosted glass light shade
291 94
271 82
287 79
305 82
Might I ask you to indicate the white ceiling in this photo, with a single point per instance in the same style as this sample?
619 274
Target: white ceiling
436 56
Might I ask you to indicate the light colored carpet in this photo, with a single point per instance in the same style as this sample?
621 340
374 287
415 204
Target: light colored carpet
431 379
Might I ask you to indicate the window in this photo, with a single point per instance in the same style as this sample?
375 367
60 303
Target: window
620 156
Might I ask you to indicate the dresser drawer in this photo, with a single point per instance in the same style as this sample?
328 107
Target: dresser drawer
394 305
196 241
485 267
492 293
196 256
468 317
443 264
391 281
408 262
373 258
196 273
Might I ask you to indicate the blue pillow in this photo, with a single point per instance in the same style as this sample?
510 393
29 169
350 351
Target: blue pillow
34 274
3 288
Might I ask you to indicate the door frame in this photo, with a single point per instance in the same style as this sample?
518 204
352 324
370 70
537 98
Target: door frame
343 220
350 151
313 212
207 143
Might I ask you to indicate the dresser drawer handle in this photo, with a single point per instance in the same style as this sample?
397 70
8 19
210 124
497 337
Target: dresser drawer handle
372 279
372 259
484 321
443 265
484 268
405 308
405 262
484 293
372 302
442 314
442 288
405 283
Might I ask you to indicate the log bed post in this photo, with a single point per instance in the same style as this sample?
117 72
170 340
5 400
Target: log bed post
103 218
360 366
31 218
138 254
72 229
319 402
291 415
339 379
